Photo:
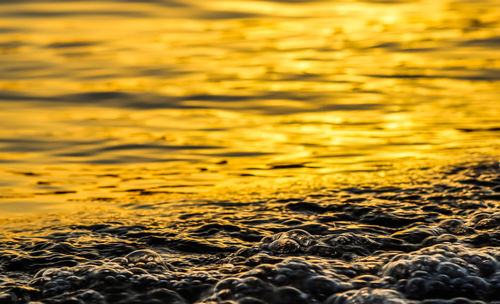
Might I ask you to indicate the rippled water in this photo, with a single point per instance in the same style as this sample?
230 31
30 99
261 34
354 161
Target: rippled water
204 138
100 98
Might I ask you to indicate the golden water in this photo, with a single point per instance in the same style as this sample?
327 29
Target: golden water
136 101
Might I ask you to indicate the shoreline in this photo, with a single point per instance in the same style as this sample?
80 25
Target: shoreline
433 241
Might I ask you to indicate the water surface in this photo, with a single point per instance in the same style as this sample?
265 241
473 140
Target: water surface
273 151
100 98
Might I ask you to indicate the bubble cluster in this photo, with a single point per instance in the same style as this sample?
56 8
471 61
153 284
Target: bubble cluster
445 271
142 276
434 244
343 245
294 280
368 295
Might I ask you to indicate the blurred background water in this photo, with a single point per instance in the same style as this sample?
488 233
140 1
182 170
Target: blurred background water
129 101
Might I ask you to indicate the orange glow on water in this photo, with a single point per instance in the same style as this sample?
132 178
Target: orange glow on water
99 98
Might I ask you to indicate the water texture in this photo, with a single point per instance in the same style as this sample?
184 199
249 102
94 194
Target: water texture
100 98
435 240
184 151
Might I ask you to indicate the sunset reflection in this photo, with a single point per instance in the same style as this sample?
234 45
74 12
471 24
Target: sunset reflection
174 89
249 152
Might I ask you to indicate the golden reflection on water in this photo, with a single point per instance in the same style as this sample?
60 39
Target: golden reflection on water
118 101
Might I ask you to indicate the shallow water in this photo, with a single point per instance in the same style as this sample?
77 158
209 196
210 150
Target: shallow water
99 99
206 131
